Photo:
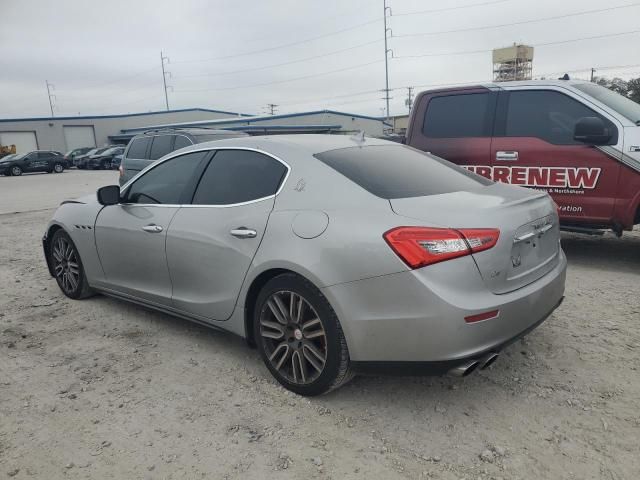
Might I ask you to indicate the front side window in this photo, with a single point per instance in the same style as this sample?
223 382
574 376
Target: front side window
165 183
238 176
547 115
458 116
160 147
138 148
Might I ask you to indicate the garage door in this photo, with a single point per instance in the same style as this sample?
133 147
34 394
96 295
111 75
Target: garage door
79 136
24 141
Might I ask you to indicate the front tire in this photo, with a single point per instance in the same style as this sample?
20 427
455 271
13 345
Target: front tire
299 336
67 266
58 168
16 171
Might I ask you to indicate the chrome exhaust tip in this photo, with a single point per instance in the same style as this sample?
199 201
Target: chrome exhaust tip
464 369
487 361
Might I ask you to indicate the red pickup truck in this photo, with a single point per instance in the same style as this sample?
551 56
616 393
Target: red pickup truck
578 141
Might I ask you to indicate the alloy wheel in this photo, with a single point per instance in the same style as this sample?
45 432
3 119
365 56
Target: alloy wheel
65 264
16 171
58 168
293 337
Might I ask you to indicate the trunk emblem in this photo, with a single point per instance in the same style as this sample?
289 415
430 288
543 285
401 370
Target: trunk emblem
516 261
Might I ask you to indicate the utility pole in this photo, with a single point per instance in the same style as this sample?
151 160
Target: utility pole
271 107
50 95
409 101
593 71
386 56
164 78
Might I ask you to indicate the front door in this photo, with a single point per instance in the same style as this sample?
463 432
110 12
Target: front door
533 146
211 243
131 236
34 163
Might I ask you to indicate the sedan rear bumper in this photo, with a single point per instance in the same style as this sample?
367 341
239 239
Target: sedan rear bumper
417 318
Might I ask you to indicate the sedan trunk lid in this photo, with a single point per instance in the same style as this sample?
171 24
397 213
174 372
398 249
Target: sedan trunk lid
529 243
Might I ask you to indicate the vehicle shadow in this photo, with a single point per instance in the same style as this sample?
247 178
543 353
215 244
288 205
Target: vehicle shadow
605 252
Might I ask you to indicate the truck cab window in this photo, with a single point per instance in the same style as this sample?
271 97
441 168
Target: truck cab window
456 116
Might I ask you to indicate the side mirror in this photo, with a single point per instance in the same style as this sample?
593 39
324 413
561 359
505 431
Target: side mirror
591 130
109 195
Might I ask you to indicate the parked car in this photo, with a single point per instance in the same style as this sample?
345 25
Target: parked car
103 160
82 160
578 141
72 154
36 161
116 161
333 254
149 146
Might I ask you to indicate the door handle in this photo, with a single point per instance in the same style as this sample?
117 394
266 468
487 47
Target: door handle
510 156
243 232
152 228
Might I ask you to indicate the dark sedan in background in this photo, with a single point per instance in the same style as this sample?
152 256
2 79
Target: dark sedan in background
35 161
72 154
81 161
104 160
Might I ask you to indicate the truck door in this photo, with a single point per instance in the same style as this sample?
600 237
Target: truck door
455 125
533 146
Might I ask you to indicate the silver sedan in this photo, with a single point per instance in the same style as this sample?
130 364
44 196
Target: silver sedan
332 254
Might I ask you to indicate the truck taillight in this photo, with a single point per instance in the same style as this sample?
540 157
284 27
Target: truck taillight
421 246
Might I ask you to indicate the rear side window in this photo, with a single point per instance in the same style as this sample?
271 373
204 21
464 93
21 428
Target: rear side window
548 115
181 142
165 183
160 147
138 148
456 116
397 171
238 176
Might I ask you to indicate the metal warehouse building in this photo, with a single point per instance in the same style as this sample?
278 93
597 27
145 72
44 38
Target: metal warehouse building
66 133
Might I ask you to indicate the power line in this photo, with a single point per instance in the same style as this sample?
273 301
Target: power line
118 80
315 75
559 42
281 64
447 9
524 22
284 45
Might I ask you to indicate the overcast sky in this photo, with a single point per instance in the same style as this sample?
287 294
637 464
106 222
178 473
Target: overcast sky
104 56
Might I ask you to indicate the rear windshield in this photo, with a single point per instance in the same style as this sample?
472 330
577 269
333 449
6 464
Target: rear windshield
398 171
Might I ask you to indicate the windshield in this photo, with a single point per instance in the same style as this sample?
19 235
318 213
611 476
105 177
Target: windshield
621 104
91 152
7 157
19 156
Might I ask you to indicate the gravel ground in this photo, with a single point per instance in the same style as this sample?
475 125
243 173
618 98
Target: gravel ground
103 389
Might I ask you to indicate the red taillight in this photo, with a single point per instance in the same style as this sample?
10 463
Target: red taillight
421 246
121 170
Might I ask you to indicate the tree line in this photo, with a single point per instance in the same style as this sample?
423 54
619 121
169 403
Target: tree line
628 88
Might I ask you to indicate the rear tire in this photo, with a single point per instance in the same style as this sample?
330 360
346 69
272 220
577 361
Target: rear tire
299 336
16 171
67 267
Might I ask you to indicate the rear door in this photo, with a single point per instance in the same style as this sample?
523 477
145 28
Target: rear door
456 125
211 243
533 146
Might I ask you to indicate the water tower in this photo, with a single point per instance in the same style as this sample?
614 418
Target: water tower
512 63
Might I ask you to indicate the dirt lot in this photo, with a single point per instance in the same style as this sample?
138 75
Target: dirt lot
102 389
